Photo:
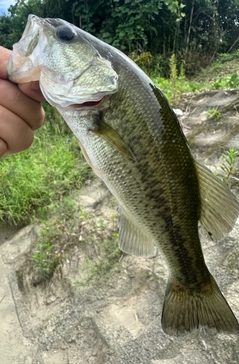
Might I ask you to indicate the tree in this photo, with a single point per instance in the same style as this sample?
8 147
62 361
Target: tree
125 24
194 30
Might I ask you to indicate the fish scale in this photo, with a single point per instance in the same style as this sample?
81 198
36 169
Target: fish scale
132 139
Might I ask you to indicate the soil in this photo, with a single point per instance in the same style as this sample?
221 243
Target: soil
117 320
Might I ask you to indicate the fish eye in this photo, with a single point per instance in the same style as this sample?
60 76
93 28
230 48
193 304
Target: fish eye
65 33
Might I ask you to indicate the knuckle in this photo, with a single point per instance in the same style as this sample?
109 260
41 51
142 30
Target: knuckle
16 133
3 113
9 92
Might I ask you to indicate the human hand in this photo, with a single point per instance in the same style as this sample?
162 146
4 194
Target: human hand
20 110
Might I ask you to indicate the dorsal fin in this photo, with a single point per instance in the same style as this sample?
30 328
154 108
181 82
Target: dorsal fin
219 207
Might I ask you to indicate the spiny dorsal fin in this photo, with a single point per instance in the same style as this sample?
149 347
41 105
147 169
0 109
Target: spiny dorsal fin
219 207
132 240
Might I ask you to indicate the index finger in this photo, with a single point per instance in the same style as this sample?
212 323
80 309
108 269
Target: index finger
4 57
32 89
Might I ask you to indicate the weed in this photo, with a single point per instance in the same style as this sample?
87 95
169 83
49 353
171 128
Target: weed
229 164
174 77
227 57
45 259
174 87
214 113
108 259
60 233
143 59
101 224
149 275
228 81
83 214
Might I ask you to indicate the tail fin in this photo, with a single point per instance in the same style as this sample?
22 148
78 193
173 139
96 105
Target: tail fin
186 309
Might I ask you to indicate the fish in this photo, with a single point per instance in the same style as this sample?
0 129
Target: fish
132 139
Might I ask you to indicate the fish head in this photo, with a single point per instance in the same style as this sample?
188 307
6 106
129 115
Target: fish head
71 72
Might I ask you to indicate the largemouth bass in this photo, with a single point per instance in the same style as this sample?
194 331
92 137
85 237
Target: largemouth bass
132 139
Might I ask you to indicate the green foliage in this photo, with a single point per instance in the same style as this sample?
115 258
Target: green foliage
108 259
143 59
17 20
174 77
173 68
176 7
229 165
45 259
227 57
12 26
182 84
31 180
214 113
124 24
195 31
153 65
177 85
219 74
7 37
228 81
59 234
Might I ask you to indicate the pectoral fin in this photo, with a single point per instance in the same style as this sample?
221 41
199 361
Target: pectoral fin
132 240
219 207
102 129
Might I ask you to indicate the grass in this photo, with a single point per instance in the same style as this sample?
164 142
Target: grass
68 226
37 186
175 86
95 270
63 231
45 259
59 234
224 66
34 179
222 74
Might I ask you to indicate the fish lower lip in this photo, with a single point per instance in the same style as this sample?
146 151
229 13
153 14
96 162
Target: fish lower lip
88 104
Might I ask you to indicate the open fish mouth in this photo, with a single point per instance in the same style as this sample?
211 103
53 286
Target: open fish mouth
77 101
88 104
